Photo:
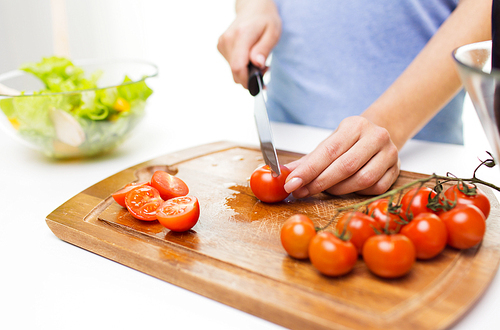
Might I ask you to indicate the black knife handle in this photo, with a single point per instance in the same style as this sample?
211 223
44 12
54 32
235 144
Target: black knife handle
254 73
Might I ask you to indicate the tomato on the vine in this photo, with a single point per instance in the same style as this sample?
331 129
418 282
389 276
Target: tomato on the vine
179 213
142 202
418 197
168 185
119 196
359 226
465 224
428 234
469 195
387 216
296 234
332 256
268 188
389 256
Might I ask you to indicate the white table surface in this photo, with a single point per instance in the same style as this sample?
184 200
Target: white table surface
46 283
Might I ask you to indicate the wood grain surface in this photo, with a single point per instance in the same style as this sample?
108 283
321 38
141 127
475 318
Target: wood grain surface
233 255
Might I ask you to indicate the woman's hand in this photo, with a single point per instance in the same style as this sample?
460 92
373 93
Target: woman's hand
251 37
359 157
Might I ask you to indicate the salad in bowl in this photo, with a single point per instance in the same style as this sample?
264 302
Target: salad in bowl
80 109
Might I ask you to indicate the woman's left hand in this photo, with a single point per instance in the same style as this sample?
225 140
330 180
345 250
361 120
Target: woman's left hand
358 156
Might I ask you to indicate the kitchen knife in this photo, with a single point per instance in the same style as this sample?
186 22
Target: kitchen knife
256 89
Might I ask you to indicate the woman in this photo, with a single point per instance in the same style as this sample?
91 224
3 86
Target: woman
377 72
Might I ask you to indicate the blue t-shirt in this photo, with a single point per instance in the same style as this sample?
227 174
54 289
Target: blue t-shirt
335 58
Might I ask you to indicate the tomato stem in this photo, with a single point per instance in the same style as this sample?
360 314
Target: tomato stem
391 193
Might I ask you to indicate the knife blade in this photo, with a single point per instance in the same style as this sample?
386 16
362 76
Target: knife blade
256 89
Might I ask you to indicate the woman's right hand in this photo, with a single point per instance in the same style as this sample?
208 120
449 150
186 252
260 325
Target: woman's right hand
251 37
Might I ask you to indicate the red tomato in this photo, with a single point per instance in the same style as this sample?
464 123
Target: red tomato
119 196
379 210
465 224
360 226
428 234
296 234
418 197
389 256
179 213
332 256
168 185
142 202
478 199
266 187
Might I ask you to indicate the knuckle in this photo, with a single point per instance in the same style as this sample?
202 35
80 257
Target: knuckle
348 166
318 186
381 135
367 178
379 188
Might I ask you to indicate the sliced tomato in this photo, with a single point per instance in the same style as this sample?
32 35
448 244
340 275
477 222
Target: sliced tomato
168 185
179 213
142 202
119 196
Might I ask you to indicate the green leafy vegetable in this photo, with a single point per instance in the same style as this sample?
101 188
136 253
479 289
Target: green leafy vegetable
106 115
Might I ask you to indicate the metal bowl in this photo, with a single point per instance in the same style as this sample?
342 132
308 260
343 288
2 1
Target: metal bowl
483 85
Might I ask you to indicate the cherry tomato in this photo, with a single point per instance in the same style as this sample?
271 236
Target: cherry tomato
142 202
332 256
428 234
465 224
266 187
296 234
478 199
380 211
119 196
168 185
179 213
360 226
418 197
389 256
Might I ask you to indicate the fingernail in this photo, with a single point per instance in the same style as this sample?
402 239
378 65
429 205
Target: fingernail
261 60
293 184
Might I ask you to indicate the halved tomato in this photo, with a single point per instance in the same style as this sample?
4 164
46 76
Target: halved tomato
168 185
142 202
179 213
119 196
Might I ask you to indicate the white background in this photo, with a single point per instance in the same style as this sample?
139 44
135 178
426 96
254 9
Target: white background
48 284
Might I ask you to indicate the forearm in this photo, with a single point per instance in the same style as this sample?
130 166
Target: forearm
431 80
244 5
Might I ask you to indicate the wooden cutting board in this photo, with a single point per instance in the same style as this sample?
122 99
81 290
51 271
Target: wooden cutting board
234 255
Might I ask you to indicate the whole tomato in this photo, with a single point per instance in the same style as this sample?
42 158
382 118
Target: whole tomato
387 216
389 256
469 195
359 226
465 224
268 188
415 202
332 256
296 234
428 234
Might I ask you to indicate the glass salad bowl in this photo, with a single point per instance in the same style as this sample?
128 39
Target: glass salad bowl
71 110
